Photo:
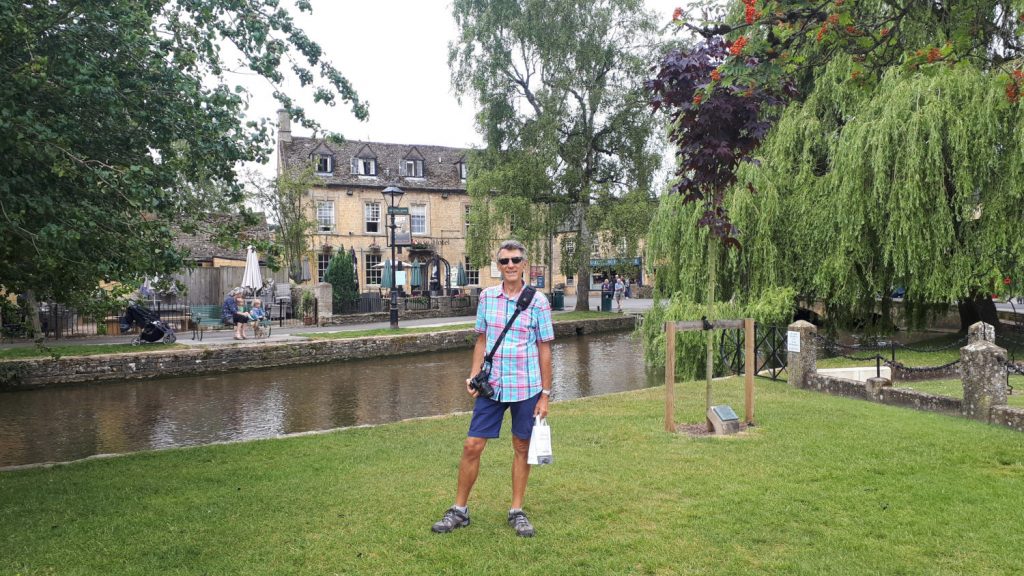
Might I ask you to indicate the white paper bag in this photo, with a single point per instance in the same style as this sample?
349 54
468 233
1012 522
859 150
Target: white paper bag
540 443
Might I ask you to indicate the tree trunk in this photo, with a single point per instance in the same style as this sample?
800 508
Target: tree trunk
709 313
979 308
583 270
33 313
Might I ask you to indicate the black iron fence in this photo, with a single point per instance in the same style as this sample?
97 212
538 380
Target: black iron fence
769 350
58 321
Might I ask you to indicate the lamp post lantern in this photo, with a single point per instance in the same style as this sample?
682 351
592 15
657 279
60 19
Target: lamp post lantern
393 195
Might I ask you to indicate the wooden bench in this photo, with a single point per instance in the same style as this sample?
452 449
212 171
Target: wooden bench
204 316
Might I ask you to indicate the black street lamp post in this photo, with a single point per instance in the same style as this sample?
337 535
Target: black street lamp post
393 195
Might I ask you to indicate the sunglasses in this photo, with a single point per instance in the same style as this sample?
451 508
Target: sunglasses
514 260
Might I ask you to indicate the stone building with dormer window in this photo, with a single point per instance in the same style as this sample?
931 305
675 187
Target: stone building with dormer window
350 212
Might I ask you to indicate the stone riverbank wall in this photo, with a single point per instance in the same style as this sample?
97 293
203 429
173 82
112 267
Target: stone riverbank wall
982 370
38 373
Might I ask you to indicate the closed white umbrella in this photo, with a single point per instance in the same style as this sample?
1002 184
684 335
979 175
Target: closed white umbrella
252 278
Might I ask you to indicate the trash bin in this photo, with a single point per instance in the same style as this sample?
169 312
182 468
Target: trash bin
606 301
558 300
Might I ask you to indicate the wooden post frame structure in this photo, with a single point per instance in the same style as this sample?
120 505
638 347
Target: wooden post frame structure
747 324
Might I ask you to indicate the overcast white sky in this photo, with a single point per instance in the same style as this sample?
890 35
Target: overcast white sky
395 53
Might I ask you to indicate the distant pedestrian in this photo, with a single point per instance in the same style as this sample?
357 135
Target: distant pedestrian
620 289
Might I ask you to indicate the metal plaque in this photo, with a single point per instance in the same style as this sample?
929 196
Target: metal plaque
725 413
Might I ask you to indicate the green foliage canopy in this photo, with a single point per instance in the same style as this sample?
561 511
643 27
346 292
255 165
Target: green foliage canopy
914 183
116 123
282 199
561 107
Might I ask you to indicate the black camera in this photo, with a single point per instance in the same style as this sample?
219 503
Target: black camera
480 382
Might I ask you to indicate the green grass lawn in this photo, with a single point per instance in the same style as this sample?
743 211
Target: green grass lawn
910 357
382 332
955 389
574 315
62 350
562 317
823 485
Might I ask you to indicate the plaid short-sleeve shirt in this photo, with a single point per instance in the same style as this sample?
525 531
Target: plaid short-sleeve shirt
515 368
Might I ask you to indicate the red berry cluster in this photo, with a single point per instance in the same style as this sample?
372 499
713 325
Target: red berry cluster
677 14
1013 86
738 45
751 13
832 20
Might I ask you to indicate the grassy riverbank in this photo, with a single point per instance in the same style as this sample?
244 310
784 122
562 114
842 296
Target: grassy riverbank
822 485
64 350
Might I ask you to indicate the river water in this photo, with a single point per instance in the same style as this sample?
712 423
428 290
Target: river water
63 424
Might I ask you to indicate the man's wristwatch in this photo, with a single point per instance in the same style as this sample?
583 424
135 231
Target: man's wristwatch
545 391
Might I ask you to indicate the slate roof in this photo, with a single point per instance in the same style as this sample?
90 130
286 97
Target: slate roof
202 248
440 163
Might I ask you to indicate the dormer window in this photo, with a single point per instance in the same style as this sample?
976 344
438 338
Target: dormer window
364 166
325 164
411 168
463 170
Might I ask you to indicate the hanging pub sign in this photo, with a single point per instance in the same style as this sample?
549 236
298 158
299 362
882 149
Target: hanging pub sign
403 234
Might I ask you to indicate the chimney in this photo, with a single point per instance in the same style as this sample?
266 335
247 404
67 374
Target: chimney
284 126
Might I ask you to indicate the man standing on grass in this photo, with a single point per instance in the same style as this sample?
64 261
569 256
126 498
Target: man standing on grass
521 377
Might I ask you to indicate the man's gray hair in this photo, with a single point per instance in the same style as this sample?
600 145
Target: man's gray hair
511 245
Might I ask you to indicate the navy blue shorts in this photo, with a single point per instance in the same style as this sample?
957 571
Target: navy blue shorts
488 415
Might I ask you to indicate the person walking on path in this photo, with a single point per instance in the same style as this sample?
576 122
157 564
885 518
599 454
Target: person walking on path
620 288
521 378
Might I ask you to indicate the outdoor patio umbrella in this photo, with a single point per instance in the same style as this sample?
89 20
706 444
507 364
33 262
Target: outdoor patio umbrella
460 275
415 273
252 278
387 279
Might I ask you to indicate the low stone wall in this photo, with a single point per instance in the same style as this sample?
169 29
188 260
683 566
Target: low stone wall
886 395
1009 417
38 373
837 386
921 401
982 368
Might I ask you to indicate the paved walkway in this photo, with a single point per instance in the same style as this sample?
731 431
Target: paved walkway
225 337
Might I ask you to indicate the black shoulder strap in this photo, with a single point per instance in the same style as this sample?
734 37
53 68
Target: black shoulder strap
525 298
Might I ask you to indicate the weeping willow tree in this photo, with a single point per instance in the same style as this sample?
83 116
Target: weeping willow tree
914 182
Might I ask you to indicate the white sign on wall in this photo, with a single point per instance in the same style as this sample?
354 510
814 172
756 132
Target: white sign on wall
792 341
495 273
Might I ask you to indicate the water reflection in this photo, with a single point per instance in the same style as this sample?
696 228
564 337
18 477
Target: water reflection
63 424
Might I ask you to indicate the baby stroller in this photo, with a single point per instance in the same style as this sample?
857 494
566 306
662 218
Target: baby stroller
153 329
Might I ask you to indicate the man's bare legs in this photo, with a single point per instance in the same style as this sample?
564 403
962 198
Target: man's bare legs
469 468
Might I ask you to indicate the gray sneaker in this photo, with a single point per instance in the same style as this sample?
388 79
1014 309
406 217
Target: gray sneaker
452 519
521 524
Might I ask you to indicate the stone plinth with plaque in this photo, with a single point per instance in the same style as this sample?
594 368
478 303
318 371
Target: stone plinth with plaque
723 419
